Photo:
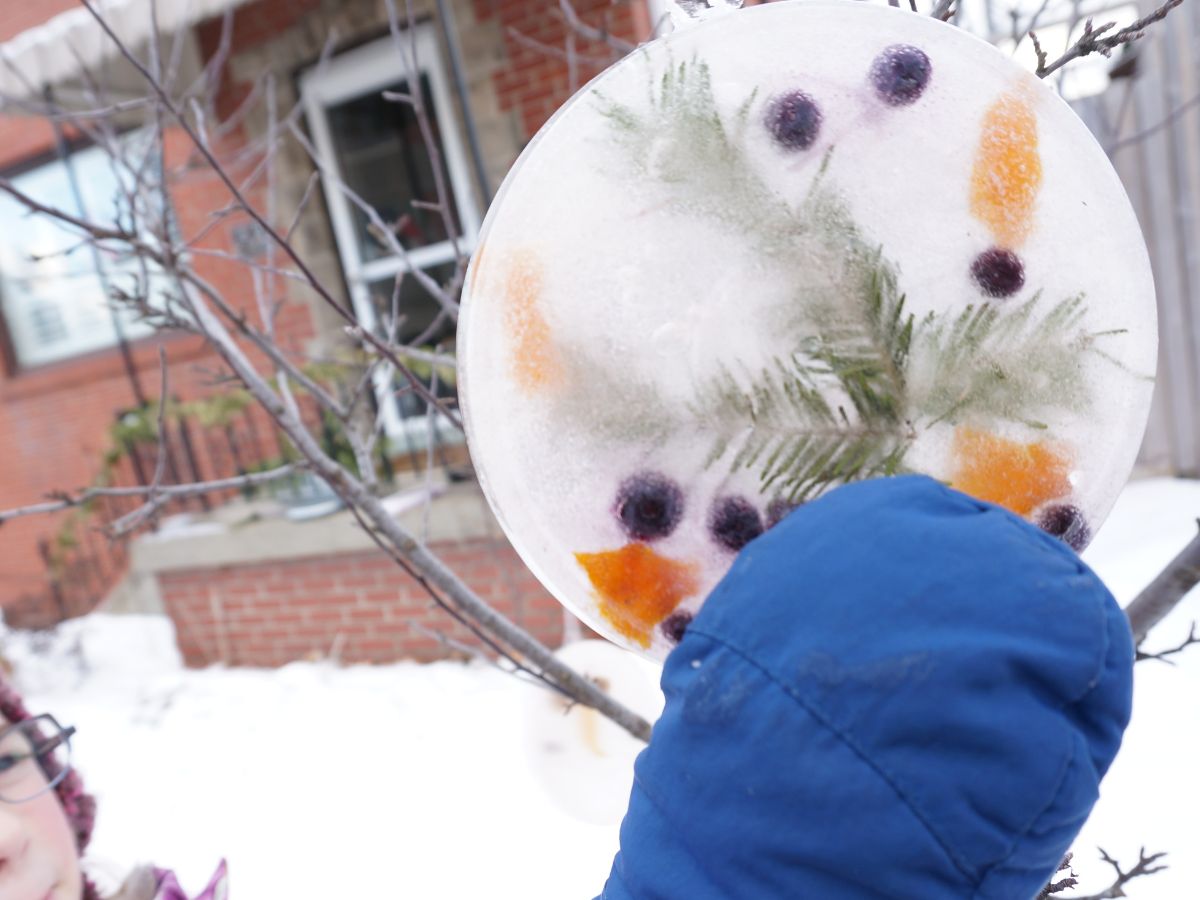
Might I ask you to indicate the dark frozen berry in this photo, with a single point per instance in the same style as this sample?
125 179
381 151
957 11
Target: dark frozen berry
734 522
998 272
900 74
778 510
675 625
649 506
1066 523
794 119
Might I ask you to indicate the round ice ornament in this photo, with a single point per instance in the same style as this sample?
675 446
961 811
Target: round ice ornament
798 245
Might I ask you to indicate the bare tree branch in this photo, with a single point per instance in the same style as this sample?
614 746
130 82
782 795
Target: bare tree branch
1145 866
166 492
416 101
599 35
1097 40
315 283
1162 655
145 512
313 178
1165 122
557 52
403 545
943 10
1165 592
379 227
1063 884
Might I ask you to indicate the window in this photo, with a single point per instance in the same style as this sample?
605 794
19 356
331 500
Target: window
375 147
52 292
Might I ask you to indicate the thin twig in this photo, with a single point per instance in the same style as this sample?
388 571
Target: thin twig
1165 122
550 50
1037 49
943 10
599 35
313 178
62 501
417 102
1145 866
314 282
1063 884
1162 655
134 519
379 227
1098 40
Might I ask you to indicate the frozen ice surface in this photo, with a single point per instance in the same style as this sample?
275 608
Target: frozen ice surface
704 268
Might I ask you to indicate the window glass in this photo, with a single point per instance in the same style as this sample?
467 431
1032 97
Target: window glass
51 293
373 147
419 322
382 157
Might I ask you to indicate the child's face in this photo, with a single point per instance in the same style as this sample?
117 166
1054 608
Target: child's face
38 859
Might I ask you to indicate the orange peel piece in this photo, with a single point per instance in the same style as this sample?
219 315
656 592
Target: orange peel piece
1008 170
1020 477
536 363
637 588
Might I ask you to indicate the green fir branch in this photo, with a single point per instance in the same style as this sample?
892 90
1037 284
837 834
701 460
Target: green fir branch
682 143
786 430
1004 362
866 352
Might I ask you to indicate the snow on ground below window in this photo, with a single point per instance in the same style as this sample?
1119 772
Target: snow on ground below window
415 781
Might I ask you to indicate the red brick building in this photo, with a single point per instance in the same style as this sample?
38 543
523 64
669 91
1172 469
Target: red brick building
491 72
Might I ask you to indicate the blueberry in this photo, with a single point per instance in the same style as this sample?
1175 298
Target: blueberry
794 120
649 506
674 625
1066 523
734 522
778 510
900 74
998 272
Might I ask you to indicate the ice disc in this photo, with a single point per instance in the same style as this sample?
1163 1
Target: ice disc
798 245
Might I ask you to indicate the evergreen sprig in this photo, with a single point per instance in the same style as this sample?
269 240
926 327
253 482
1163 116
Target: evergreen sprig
1003 362
790 433
866 351
682 143
786 429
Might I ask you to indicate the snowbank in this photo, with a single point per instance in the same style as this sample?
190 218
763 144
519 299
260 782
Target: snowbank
415 781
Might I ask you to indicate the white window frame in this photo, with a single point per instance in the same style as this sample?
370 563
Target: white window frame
374 67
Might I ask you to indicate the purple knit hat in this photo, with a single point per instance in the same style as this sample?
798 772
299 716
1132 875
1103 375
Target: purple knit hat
79 805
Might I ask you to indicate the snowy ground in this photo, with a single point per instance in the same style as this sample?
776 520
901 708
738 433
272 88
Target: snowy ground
417 781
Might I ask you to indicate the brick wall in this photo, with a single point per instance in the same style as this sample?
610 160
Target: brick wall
535 81
359 606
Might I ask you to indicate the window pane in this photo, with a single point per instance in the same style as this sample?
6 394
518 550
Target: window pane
52 296
382 157
419 314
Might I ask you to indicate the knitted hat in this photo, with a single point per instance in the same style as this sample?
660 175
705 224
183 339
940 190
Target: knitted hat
79 806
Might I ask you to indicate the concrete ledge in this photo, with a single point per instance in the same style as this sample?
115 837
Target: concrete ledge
252 533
